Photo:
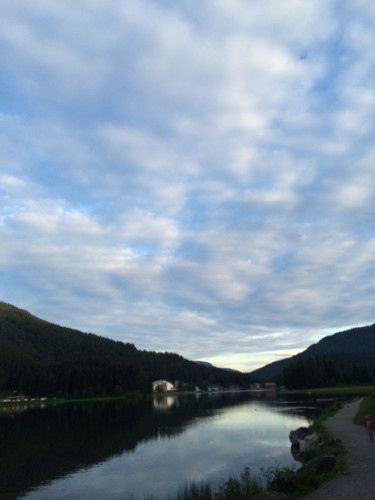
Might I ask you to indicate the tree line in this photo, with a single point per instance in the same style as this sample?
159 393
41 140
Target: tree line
330 371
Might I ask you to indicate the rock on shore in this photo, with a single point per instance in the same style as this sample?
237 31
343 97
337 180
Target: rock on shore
303 439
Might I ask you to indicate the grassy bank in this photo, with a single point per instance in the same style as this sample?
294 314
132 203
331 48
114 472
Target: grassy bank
356 390
39 402
367 407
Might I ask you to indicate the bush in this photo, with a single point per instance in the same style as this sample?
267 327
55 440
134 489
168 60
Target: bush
244 488
281 478
367 407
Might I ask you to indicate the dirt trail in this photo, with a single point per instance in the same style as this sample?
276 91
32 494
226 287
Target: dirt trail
359 482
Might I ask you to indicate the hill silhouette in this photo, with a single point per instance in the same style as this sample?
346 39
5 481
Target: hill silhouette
349 355
44 359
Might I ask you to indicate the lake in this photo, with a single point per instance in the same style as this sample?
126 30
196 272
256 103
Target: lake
116 450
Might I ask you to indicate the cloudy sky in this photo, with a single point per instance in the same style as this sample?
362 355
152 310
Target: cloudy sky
194 176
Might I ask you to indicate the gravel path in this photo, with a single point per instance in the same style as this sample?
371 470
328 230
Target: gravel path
359 482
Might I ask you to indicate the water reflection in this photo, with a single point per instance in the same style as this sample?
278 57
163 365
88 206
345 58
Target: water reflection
116 450
164 404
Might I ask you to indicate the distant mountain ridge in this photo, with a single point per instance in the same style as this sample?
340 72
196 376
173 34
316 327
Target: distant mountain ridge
41 358
353 341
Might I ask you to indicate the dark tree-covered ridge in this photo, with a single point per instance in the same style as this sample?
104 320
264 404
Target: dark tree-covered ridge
348 354
331 370
43 359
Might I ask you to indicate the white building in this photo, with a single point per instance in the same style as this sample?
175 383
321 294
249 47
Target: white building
162 386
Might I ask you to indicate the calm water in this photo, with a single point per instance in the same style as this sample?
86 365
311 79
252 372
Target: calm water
118 451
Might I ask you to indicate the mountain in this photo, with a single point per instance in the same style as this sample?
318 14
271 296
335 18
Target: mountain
356 344
205 363
44 359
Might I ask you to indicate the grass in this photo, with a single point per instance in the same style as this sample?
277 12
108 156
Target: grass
355 390
245 487
367 407
287 480
130 397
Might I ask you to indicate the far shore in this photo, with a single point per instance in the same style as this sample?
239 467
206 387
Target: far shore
133 397
345 390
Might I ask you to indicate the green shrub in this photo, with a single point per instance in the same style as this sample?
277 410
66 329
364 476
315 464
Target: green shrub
243 488
367 407
195 492
281 478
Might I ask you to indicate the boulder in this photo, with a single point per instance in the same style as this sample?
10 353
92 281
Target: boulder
302 439
299 434
308 442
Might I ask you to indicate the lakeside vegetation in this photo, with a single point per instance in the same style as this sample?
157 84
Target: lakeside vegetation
131 397
367 407
350 390
290 481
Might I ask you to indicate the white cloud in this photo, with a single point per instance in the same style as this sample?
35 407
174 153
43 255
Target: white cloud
195 178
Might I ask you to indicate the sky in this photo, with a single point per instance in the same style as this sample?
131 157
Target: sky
194 176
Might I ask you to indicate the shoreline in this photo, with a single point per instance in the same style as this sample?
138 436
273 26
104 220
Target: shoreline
344 390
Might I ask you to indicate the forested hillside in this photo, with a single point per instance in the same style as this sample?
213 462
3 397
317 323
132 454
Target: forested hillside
330 371
342 358
43 359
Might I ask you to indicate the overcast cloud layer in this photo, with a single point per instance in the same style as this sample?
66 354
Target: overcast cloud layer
191 176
